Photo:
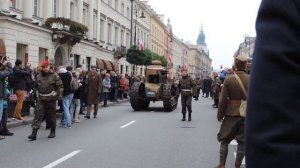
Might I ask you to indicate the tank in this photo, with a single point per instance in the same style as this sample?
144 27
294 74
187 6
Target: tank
156 87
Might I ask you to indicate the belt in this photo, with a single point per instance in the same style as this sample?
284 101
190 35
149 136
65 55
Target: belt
186 90
53 93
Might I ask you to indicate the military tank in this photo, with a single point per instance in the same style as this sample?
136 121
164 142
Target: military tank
156 87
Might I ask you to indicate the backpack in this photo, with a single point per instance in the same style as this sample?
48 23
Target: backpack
74 84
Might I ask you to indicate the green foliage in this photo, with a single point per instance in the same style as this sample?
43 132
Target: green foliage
137 57
155 56
75 27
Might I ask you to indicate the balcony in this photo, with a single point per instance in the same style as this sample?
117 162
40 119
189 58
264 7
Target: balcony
120 52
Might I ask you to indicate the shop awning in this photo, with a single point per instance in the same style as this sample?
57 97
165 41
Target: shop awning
107 65
100 64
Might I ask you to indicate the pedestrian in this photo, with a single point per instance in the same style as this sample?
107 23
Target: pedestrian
106 88
186 83
198 87
5 71
76 105
94 89
216 89
272 122
66 77
49 89
114 86
232 126
20 77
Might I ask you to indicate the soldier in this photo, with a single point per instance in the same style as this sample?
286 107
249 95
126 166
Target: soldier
49 88
186 83
198 83
232 126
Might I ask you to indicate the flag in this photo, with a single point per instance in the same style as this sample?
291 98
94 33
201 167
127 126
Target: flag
141 45
12 1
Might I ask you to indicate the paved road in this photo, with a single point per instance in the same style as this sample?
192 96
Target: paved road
122 138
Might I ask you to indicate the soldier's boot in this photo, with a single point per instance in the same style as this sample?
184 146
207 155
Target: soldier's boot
190 117
183 117
239 155
32 137
223 154
52 134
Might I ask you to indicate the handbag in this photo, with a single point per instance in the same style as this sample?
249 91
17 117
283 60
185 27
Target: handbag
243 106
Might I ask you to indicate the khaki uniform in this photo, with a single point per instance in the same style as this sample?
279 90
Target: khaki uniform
185 86
232 126
216 88
49 89
198 82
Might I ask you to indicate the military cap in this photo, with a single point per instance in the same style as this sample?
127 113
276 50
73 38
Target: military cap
241 58
93 66
45 63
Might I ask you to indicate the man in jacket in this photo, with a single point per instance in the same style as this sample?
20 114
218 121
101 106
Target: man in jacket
66 77
186 83
106 88
198 87
49 88
94 89
272 122
232 126
20 76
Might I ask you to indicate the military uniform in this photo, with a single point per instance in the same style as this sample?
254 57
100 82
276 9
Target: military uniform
49 88
216 88
198 82
232 126
186 83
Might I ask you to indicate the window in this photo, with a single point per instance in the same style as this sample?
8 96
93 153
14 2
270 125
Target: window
122 37
95 26
72 11
126 69
84 15
13 4
55 8
109 33
122 8
127 12
117 5
127 39
102 30
116 35
36 8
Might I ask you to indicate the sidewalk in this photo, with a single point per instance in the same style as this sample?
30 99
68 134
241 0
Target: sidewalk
28 119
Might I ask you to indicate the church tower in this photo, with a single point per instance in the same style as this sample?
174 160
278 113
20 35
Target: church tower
201 38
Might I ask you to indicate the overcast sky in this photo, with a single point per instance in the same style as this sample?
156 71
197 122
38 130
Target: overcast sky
225 23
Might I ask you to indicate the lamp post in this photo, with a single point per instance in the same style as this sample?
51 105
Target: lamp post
131 22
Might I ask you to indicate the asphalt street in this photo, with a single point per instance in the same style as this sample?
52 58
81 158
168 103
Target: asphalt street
122 138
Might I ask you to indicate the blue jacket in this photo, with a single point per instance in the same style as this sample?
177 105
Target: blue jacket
20 77
106 85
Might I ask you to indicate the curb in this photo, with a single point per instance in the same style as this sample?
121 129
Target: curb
29 119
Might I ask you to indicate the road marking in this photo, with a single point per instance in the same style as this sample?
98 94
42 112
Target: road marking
128 124
64 158
243 163
233 142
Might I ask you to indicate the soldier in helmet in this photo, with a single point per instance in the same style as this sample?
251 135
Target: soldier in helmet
186 83
50 88
232 126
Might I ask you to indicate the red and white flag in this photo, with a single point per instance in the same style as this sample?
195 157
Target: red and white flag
141 45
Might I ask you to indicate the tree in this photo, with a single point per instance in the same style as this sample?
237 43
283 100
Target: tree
137 57
155 56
